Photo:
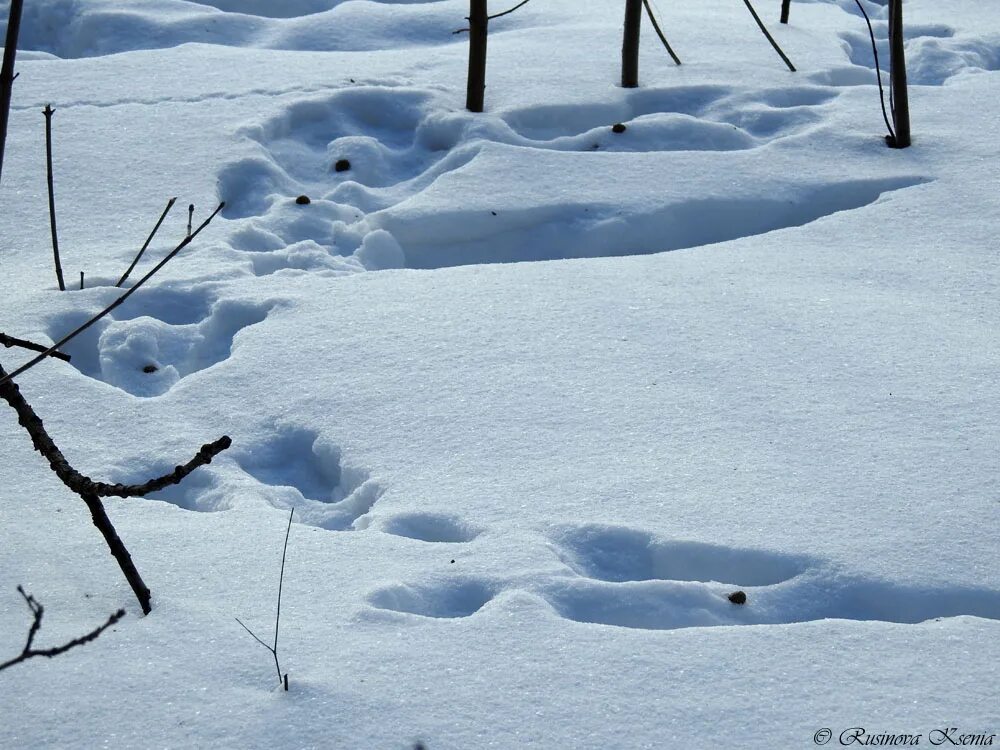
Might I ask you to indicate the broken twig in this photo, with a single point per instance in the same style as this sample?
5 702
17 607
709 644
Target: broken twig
4 379
10 341
37 610
277 620
48 112
170 204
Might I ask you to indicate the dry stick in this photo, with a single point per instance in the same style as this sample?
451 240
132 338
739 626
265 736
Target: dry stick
511 10
184 243
190 217
659 33
37 610
84 485
878 72
10 341
478 32
498 15
785 8
901 102
52 199
277 619
81 279
7 71
767 34
170 204
630 44
90 491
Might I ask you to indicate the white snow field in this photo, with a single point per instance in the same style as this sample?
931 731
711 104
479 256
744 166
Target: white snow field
530 453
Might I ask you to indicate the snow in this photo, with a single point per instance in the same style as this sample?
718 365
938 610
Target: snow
530 453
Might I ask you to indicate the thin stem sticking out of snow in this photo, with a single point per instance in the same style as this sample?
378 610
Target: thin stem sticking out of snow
282 678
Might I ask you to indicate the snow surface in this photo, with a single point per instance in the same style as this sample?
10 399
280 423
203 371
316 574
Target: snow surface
530 453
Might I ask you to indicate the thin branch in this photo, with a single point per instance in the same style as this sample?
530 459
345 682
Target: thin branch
10 341
281 582
204 456
277 619
81 484
170 204
767 34
48 112
506 12
659 32
184 243
37 610
254 635
490 18
878 70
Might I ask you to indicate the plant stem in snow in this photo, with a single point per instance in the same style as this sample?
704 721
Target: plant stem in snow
37 610
277 619
7 71
52 198
184 243
170 204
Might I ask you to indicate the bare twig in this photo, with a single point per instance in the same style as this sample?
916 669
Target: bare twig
170 204
91 492
37 610
184 243
48 112
767 34
277 620
10 341
878 70
659 32
490 18
7 75
511 10
190 217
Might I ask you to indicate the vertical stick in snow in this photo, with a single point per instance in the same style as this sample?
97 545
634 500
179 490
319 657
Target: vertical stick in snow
7 71
785 7
52 198
630 44
478 33
901 101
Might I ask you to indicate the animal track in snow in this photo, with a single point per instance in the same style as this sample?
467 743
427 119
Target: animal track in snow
146 355
631 578
432 527
397 141
76 29
620 554
447 598
302 470
933 52
288 8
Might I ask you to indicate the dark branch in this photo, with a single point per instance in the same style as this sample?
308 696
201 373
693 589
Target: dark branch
37 610
4 379
277 618
170 204
659 32
204 456
81 484
767 34
506 12
10 341
490 18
